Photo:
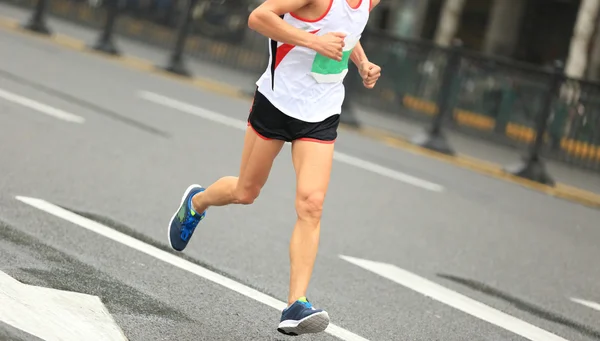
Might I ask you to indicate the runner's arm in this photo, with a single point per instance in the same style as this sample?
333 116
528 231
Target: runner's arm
358 54
266 20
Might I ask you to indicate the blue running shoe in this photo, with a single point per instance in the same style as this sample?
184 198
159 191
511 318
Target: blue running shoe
184 221
302 318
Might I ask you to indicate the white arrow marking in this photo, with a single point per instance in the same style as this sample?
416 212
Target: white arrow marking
181 263
588 304
55 315
41 107
241 125
455 300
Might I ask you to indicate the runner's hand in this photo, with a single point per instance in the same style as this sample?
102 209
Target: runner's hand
330 45
370 73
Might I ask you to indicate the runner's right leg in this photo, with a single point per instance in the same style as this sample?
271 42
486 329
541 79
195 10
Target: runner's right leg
257 159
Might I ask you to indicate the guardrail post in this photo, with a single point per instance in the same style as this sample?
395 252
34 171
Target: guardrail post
533 167
176 64
105 42
37 22
434 139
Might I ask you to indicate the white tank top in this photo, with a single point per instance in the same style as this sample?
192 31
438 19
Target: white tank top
304 84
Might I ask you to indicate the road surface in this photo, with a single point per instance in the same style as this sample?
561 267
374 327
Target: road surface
95 157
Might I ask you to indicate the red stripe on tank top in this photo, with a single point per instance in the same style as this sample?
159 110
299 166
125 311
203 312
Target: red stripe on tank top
284 49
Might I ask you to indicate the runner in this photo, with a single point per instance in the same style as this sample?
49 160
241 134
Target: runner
298 100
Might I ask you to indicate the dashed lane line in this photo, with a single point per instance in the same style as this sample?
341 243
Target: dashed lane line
40 107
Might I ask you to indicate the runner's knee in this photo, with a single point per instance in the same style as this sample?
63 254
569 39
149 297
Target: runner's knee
309 205
247 195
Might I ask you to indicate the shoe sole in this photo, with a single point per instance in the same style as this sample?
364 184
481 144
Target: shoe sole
185 194
312 324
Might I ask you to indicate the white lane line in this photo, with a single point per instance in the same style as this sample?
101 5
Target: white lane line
387 172
241 125
193 110
55 314
40 107
181 263
589 304
455 300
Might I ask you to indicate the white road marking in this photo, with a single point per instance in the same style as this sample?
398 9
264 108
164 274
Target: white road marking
387 172
181 263
589 304
241 125
54 315
40 107
193 110
455 300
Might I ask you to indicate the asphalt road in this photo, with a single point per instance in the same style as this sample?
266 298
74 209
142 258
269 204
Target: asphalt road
125 144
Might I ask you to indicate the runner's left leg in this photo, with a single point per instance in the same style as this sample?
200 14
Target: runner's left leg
312 162
257 158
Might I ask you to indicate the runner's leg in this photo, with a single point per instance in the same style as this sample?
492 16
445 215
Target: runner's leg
257 159
312 162
258 155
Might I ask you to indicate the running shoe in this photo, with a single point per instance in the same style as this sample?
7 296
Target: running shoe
302 318
184 221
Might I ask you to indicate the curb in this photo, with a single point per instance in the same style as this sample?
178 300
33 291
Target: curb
563 191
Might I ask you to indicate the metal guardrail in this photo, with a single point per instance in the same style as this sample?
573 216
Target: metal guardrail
499 99
243 51
538 109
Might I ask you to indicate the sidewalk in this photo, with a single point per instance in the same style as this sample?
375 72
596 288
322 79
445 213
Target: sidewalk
403 127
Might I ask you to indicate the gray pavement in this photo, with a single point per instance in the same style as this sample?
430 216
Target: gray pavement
518 251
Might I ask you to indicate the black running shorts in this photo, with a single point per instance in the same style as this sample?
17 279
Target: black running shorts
270 123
